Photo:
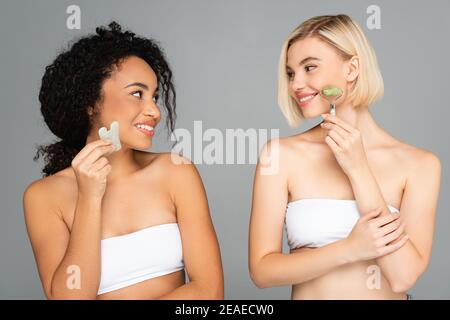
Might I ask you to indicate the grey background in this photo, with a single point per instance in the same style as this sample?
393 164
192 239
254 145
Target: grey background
224 55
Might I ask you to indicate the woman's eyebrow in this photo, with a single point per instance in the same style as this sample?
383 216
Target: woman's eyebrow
139 84
304 61
308 59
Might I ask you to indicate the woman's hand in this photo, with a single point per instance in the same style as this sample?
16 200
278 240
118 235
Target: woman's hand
346 144
372 236
92 167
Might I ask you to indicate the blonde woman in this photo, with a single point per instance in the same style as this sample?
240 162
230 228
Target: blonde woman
358 205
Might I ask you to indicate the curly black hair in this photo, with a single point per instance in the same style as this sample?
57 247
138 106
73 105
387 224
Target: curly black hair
72 85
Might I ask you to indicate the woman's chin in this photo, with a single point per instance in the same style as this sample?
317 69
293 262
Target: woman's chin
311 114
146 146
140 146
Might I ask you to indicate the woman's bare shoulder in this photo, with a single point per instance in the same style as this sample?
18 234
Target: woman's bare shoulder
409 152
161 160
290 142
305 145
167 165
290 153
52 188
412 157
176 174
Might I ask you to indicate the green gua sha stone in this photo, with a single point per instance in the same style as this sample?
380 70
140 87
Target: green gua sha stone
331 94
112 134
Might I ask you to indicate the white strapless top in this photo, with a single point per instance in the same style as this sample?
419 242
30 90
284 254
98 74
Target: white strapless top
318 222
138 256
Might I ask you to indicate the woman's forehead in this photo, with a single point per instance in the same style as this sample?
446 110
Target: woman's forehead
309 47
132 70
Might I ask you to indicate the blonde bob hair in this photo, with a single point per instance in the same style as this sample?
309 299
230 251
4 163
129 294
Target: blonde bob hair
347 38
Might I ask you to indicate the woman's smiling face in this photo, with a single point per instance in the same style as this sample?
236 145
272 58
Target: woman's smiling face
129 97
312 65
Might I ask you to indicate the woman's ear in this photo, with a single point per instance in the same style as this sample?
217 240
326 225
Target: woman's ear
352 70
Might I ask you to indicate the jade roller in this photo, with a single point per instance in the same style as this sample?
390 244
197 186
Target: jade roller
331 94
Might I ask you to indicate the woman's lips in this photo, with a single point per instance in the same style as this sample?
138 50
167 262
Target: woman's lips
149 133
306 101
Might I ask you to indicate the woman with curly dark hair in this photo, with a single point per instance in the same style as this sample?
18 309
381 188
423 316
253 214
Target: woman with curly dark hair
109 223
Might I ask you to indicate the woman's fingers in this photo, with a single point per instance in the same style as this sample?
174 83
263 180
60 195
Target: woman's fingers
339 122
99 164
97 153
333 127
370 215
388 228
332 144
89 148
393 247
383 220
393 235
103 172
340 141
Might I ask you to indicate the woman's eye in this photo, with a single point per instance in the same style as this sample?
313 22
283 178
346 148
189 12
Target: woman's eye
290 75
139 92
307 68
155 98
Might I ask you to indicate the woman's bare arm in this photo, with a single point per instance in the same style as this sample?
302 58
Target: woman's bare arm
403 267
64 258
201 251
268 265
69 262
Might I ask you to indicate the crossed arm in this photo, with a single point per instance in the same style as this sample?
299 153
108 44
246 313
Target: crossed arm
404 266
270 267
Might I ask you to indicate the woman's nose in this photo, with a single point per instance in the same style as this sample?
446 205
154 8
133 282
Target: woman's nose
298 83
152 110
